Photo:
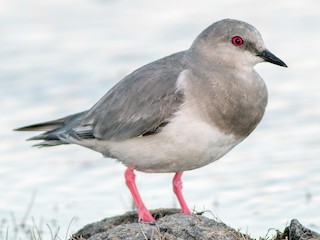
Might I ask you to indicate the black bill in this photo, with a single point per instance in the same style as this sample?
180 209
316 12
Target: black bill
270 57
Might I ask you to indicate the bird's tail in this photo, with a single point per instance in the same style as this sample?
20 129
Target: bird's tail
44 126
54 130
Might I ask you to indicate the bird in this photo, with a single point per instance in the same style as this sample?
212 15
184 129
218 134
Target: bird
178 113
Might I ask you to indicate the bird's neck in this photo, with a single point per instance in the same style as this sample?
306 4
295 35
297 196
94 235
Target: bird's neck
215 62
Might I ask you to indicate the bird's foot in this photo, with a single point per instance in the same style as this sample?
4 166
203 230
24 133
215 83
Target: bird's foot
145 216
185 210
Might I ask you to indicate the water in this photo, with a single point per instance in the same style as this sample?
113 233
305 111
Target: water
60 57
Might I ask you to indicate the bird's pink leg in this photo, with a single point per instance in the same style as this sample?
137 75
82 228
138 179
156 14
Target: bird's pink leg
144 214
177 189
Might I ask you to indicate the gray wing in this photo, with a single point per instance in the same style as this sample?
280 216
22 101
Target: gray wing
140 103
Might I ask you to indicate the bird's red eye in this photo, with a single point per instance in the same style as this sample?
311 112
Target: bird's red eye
237 41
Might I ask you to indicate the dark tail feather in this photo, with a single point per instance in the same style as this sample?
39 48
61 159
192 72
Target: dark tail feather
45 126
53 130
51 125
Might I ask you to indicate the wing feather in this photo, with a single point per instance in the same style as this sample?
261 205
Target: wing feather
140 103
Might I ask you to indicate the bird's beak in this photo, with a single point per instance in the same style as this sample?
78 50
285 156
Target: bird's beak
270 57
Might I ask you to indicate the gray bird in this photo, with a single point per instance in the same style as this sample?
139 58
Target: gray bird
178 113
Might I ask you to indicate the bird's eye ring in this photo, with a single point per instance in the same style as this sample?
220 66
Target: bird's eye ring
237 41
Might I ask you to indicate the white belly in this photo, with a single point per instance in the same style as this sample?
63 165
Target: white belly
185 143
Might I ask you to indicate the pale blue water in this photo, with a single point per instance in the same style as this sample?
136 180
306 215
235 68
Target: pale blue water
60 57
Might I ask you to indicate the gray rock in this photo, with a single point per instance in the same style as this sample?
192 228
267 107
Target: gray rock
170 225
173 225
296 231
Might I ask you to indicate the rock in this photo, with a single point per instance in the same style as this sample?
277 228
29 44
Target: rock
173 225
296 231
170 225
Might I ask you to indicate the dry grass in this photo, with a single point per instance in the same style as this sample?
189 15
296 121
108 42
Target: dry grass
27 229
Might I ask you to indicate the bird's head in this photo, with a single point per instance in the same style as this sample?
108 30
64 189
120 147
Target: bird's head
233 43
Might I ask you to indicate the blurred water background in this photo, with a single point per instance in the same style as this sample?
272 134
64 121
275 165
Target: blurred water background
59 57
